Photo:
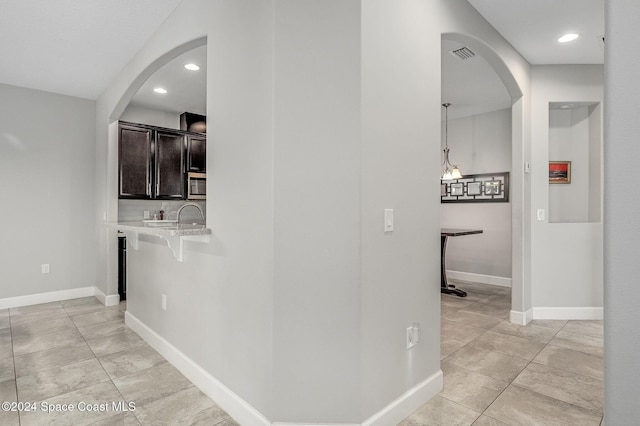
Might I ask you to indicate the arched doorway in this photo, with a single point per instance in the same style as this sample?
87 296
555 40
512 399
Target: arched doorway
120 104
520 292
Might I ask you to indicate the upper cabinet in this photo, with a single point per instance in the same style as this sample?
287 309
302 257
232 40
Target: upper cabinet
196 153
153 161
169 165
135 154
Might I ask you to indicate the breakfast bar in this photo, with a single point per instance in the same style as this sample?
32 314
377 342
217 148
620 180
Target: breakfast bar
170 231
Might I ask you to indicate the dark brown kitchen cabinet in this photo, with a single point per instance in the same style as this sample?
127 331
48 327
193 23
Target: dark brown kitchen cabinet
169 165
151 162
135 154
196 153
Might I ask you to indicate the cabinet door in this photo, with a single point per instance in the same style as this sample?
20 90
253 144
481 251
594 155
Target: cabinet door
169 176
134 152
196 153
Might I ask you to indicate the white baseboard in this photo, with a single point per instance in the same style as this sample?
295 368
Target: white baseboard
313 424
241 411
52 296
479 278
107 300
522 318
568 313
397 410
408 402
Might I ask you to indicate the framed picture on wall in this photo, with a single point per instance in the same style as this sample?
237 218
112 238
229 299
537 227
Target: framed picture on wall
457 189
476 188
492 187
473 188
559 171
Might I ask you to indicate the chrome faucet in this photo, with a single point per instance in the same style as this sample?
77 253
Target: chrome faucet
192 205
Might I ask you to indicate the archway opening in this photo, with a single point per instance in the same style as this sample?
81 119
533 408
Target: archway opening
485 135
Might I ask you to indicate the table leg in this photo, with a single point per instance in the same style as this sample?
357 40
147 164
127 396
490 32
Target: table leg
445 287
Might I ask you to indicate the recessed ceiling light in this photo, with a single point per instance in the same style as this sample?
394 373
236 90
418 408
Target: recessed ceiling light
160 90
566 106
568 37
192 67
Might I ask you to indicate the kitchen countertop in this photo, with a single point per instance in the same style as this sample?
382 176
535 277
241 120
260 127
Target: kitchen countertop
169 231
174 235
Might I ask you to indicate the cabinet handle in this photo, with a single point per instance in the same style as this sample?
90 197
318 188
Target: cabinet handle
149 189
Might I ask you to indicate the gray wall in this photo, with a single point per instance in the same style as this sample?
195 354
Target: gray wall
300 295
575 134
480 144
400 125
316 179
566 258
47 162
138 114
241 306
622 292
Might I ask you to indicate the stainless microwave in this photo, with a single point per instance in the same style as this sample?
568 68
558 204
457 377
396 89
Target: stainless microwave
196 186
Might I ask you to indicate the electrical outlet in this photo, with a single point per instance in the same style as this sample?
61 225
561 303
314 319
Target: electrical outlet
413 335
164 302
146 214
410 341
45 268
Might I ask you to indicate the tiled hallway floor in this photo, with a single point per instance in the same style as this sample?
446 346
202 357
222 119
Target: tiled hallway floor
498 373
80 353
495 373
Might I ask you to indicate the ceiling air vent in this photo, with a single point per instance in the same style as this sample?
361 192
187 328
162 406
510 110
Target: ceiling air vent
463 53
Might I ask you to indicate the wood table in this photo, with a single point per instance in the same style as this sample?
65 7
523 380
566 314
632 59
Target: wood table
445 233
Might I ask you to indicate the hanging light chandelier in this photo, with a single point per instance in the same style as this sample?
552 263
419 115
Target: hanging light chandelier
449 171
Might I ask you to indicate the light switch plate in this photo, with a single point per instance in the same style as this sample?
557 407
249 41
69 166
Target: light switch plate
540 214
388 220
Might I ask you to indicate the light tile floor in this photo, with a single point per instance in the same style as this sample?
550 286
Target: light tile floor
495 373
80 353
498 373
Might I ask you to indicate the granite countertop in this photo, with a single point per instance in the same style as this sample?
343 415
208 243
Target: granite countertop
169 231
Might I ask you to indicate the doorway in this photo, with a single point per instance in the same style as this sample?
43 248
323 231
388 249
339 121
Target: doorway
479 133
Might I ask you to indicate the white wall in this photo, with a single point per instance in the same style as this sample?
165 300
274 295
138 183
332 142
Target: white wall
596 150
571 138
480 144
287 286
46 168
567 258
138 114
399 148
224 295
621 325
316 181
307 297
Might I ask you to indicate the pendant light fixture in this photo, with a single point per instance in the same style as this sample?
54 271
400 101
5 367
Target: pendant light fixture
448 171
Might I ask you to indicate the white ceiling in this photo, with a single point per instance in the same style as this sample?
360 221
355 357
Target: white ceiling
74 47
186 90
77 47
534 26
